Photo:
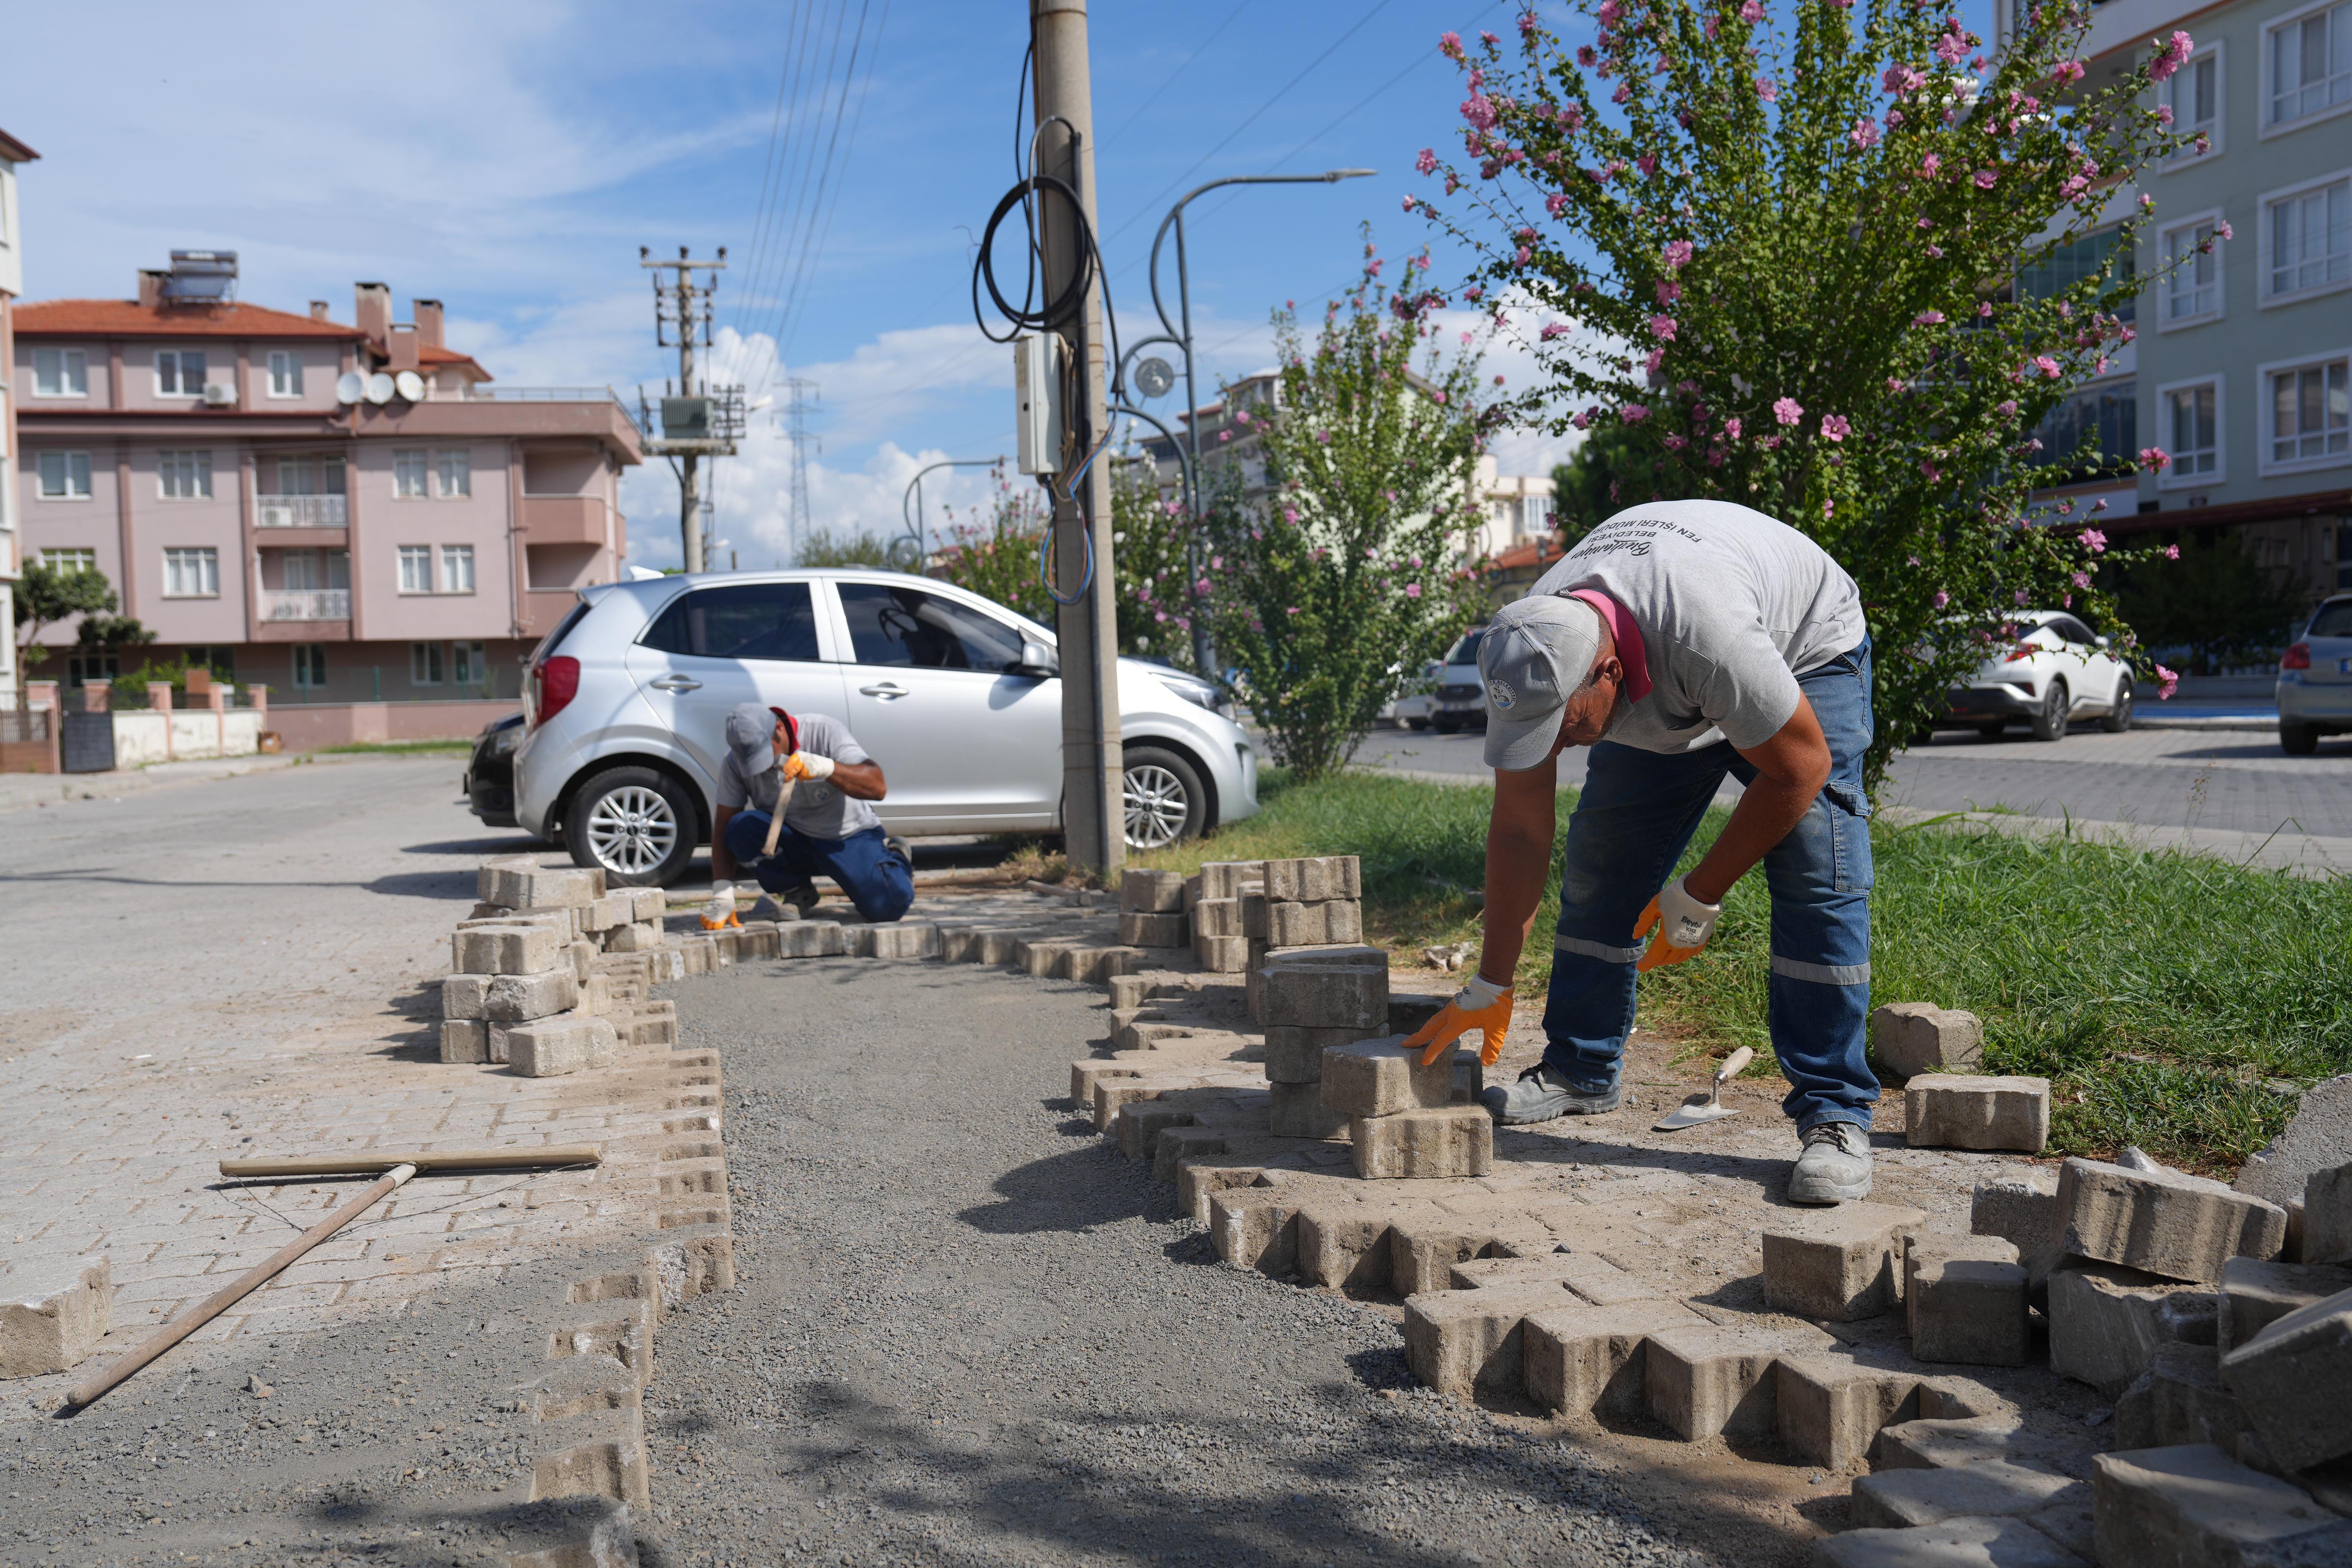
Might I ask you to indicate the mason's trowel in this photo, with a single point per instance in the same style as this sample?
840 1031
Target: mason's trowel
1707 1107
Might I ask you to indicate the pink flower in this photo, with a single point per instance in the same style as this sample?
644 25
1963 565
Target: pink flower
1676 443
1610 10
1836 426
2154 458
2047 366
1412 590
2020 596
1410 204
1787 410
2171 56
1479 110
1657 358
2006 408
2095 541
1556 203
1929 165
1323 437
1582 419
1450 44
1942 598
2068 72
2224 230
1766 89
1928 318
1648 163
1985 179
1427 162
1731 429
2082 579
1677 254
2172 552
1556 330
1290 514
1663 328
1633 413
1669 291
1437 396
1585 57
1984 308
1752 12
2167 682
1864 134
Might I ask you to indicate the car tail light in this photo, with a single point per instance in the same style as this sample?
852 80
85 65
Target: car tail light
554 682
2023 650
2296 658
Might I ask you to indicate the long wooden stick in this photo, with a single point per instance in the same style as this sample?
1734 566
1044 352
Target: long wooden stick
368 1162
93 1388
776 823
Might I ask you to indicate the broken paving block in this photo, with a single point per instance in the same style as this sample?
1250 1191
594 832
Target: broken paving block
1150 892
2294 1380
2194 1505
1959 1111
1140 1122
505 950
1578 1358
1326 995
2327 1215
1457 1341
1137 930
1913 1037
1376 1077
1313 880
2107 1321
1296 1110
2022 1210
569 1043
1840 1263
1954 1543
1702 1381
1424 1145
1898 1499
53 1312
1829 1408
517 998
2256 1294
464 1040
2180 1398
1312 925
2160 1221
1964 1301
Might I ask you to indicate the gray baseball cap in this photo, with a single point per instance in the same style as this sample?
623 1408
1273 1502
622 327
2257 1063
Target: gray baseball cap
751 738
1535 652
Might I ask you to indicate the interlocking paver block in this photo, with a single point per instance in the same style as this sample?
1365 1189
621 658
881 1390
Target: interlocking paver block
811 939
1137 930
1590 1276
2020 1209
1326 996
1913 1037
2162 1222
1150 892
464 1040
1897 1499
1140 1122
2180 1399
1459 1341
1701 1380
2327 1215
1221 954
1179 1143
505 950
1579 1358
1217 917
1294 1052
1831 1408
517 998
1305 925
2107 1321
1954 1543
1963 1110
1374 1078
1296 1110
53 1312
2255 1294
1252 1227
1424 1145
1344 1242
2294 1379
1224 879
516 883
569 1044
462 996
1313 880
1842 1263
1964 1301
2195 1507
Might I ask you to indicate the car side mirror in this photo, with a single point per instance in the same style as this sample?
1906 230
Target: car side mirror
1038 659
2101 641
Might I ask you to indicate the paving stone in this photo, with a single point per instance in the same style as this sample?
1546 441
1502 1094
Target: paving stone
1580 1360
1425 1247
1294 1052
1591 1276
1326 995
1424 1145
1932 1443
1314 879
1345 1243
917 939
1703 1381
1469 1085
53 1312
1153 930
2194 1507
505 950
2294 1380
464 1040
517 998
2327 1215
1829 1408
1462 1342
2162 1222
1252 1227
462 996
1898 1499
2021 1209
1139 1123
640 937
1224 879
2107 1321
582 955
550 1048
2256 1294
1408 1010
2180 1398
1045 957
1200 1179
1379 1076
1254 922
1296 1110
1000 946
1954 1543
811 939
1913 1037
1956 1111
1176 1145
1964 1301
1842 1263
1221 954
1150 892
1102 966
518 883
1217 917
1310 925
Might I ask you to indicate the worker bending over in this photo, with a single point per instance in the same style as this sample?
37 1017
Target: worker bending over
1684 641
828 827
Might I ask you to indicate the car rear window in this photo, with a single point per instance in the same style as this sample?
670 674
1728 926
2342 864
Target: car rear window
742 620
554 639
2333 621
1466 650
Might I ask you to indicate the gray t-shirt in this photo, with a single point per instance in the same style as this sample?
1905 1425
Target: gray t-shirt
817 808
1732 607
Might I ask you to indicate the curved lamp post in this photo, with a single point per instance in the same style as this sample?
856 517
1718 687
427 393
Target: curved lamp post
916 525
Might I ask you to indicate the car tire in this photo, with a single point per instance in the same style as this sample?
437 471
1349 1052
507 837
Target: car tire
1417 724
2118 716
2050 721
1166 801
1993 728
636 825
2299 740
1446 725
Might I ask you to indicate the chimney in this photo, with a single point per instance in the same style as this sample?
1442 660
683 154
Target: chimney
400 351
428 323
318 309
150 287
372 310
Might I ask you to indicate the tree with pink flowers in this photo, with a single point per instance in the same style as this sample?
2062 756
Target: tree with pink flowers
1786 239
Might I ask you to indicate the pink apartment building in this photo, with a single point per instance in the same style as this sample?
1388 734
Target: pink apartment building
12 284
404 546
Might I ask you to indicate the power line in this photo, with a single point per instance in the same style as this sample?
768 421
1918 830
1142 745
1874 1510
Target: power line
1170 80
794 215
858 117
770 186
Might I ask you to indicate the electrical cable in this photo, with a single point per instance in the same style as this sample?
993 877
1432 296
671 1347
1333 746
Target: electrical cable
806 278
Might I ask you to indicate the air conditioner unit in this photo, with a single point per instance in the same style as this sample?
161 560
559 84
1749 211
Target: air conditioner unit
219 394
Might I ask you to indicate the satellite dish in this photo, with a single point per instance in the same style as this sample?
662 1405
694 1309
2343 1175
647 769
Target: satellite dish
410 386
1155 378
350 386
380 388
905 554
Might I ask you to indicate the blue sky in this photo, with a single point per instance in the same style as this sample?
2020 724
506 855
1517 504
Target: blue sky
510 158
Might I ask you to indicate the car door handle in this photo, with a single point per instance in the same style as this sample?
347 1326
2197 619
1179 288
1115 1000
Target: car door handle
886 691
675 683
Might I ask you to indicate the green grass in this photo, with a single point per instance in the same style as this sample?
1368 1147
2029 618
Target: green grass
402 747
2175 1002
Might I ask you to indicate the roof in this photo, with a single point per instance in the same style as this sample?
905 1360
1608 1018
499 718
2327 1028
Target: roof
1526 553
15 152
129 319
427 355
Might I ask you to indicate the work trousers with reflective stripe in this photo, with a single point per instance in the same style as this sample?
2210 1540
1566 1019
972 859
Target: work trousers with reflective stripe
1635 818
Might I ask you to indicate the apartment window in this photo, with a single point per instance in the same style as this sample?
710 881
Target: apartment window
2309 235
456 467
2068 265
308 571
424 664
82 669
2310 64
184 476
310 664
408 470
456 568
2192 432
2192 283
179 373
2310 412
65 476
284 372
191 574
466 664
2107 416
61 372
70 559
416 569
2193 93
310 476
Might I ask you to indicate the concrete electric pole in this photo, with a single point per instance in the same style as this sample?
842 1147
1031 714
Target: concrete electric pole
700 421
1094 812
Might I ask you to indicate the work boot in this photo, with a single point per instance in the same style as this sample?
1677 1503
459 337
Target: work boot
1541 1094
902 849
1835 1167
798 898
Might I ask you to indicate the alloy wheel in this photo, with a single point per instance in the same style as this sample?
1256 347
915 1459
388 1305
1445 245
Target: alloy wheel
632 830
1156 806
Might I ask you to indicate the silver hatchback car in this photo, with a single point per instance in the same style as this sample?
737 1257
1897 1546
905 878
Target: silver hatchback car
959 699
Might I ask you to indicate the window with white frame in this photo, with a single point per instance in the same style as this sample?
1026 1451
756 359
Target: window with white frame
416 569
179 373
71 558
2308 233
2193 94
284 372
61 373
2193 431
424 664
2310 412
306 475
408 474
456 568
456 467
64 476
308 571
2193 282
191 574
184 476
2310 64
310 664
466 664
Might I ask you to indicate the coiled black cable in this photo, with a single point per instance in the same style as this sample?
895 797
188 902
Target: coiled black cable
1063 306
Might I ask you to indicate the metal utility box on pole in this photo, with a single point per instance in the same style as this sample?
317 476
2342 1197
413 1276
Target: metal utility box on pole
1094 814
700 421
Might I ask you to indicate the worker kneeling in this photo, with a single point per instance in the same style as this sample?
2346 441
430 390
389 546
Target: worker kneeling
1684 642
824 779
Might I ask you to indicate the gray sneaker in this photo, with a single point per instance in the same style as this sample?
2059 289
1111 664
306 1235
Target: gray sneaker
1835 1167
1541 1094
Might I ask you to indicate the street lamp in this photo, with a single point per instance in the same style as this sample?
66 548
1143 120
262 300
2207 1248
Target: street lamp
1178 334
916 525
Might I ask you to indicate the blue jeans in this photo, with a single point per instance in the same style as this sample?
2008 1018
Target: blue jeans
877 881
1630 826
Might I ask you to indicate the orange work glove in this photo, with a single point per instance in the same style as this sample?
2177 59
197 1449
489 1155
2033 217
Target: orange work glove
1684 925
719 914
807 766
1480 1005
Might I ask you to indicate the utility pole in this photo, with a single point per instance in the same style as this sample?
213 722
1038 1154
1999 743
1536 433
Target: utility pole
1093 808
699 421
804 397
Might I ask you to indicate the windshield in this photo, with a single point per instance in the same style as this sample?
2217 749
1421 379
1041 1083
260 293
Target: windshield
2333 621
1466 650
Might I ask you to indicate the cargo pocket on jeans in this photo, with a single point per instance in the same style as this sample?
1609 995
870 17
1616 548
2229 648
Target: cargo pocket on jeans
1849 813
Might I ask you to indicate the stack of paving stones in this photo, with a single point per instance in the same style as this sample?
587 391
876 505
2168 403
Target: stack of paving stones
1151 910
1212 898
1935 1053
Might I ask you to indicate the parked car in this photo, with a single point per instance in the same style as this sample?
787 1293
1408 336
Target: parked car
1417 704
2315 682
1461 691
488 783
959 699
2056 671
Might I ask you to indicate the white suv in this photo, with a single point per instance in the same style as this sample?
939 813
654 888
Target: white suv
2057 671
959 699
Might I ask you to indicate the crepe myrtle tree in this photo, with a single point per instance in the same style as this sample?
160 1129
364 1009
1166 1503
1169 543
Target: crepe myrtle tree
1785 240
1355 563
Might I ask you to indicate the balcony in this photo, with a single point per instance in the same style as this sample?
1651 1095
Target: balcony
299 511
563 519
306 604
